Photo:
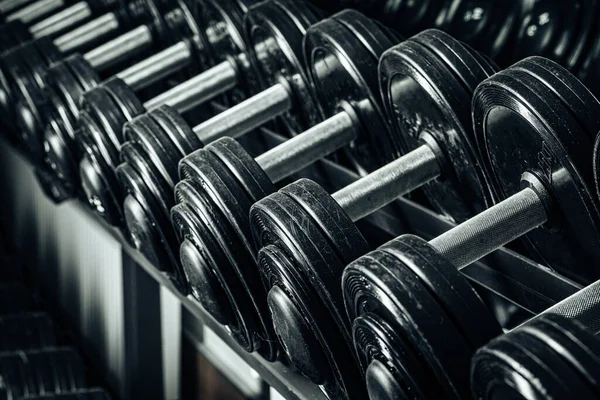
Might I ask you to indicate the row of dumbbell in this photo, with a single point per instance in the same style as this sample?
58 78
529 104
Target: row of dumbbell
507 31
529 144
205 225
47 122
32 363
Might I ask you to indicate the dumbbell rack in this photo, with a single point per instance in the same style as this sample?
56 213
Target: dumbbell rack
137 317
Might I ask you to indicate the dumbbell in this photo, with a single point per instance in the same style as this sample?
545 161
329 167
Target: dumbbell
555 355
45 371
280 58
22 69
29 12
534 125
214 44
241 305
16 32
91 394
306 237
82 69
25 331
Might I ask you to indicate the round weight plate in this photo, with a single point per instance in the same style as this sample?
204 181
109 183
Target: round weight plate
249 175
342 53
422 96
98 188
453 292
231 203
308 327
581 43
146 220
216 231
126 99
393 369
177 129
575 344
157 148
519 365
573 94
517 119
196 263
275 33
383 285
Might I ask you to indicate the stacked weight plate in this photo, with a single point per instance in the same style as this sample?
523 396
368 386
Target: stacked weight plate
485 112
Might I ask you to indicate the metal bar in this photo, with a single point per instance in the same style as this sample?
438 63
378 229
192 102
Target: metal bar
389 182
62 20
198 90
308 147
491 229
113 52
87 33
246 116
157 67
35 10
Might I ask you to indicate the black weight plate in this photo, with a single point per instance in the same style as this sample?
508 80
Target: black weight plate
548 29
215 230
280 223
342 234
146 219
457 57
518 363
157 147
152 186
551 330
126 99
107 118
580 44
517 119
318 231
177 129
98 187
205 286
342 54
485 25
453 292
83 71
574 95
381 284
275 31
383 353
249 175
422 95
230 203
61 83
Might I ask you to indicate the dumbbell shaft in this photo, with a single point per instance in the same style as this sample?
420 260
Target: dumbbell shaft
246 116
583 306
197 90
308 147
7 6
493 228
34 11
389 182
81 36
116 50
61 20
156 67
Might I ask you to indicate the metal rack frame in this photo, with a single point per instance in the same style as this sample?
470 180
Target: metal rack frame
145 315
